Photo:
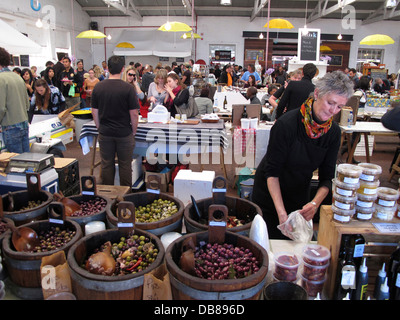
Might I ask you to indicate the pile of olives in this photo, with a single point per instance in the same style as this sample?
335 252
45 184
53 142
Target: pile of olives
54 238
132 254
32 204
157 210
90 207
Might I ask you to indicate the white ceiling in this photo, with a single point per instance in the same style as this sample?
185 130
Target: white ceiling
369 11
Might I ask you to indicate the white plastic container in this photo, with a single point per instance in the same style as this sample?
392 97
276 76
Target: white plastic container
348 173
245 123
159 114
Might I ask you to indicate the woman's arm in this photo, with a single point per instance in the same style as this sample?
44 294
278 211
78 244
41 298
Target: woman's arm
182 97
276 195
309 209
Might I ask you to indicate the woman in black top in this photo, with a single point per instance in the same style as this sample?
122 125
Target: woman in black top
48 75
178 93
27 76
301 141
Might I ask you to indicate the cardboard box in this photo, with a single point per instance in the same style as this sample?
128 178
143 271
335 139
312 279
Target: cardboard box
197 184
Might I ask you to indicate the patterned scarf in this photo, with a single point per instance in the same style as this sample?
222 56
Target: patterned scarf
313 129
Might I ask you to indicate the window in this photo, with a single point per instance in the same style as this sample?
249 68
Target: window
222 54
369 55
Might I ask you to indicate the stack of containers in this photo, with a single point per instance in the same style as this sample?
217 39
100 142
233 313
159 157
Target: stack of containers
386 203
315 264
367 193
344 192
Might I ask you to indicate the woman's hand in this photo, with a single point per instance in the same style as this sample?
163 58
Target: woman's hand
152 99
309 210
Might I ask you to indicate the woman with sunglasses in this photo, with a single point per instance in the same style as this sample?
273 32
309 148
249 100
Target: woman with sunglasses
130 77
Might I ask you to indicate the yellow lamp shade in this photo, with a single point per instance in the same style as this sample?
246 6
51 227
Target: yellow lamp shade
125 45
91 34
175 26
278 24
189 36
377 39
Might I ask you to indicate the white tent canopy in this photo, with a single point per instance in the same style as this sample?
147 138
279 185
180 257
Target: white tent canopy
153 42
15 42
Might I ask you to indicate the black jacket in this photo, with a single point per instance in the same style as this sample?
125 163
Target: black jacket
294 95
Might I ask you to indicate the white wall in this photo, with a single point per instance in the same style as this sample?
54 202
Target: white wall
65 20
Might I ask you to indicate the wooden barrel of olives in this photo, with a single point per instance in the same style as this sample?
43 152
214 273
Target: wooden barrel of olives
158 199
24 267
240 209
26 208
241 212
93 206
188 285
93 286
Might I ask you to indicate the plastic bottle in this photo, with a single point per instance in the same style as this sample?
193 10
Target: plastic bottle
384 291
361 282
380 279
346 276
350 119
393 263
215 102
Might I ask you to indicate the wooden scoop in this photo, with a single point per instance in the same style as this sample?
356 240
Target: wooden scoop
23 238
70 206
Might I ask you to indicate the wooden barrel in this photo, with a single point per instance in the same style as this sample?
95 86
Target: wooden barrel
170 224
240 208
89 286
99 216
24 267
187 287
21 199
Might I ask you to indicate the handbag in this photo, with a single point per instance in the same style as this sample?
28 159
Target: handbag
190 108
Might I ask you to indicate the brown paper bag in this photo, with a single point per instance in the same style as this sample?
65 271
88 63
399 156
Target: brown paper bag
156 284
55 274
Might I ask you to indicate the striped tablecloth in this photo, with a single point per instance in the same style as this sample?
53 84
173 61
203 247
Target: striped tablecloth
203 137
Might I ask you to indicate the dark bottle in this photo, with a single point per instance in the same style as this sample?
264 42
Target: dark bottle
344 245
244 114
392 271
361 282
346 276
225 103
396 287
358 242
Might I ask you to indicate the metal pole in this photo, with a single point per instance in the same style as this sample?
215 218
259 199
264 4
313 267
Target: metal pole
267 45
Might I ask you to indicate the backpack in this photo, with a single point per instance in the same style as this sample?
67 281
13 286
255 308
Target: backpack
190 108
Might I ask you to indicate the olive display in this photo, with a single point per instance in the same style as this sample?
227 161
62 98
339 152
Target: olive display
32 204
224 261
54 238
90 207
159 209
132 254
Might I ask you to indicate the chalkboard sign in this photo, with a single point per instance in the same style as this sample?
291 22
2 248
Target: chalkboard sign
253 54
24 60
336 60
308 49
223 55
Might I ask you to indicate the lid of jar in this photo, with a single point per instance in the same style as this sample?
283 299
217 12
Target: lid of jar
370 168
345 185
316 252
387 193
350 170
367 197
343 212
365 210
344 199
381 208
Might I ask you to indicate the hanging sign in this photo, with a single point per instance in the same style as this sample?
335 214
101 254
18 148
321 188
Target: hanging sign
308 44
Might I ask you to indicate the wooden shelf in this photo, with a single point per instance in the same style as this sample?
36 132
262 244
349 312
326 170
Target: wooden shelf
378 248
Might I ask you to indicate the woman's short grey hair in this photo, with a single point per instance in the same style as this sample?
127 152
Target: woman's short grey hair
335 82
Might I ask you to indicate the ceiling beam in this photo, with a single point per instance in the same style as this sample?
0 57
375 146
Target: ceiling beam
382 13
258 6
127 7
321 9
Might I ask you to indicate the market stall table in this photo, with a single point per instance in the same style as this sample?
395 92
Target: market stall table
167 138
365 128
233 97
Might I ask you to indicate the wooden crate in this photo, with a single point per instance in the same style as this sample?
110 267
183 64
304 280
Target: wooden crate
378 248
